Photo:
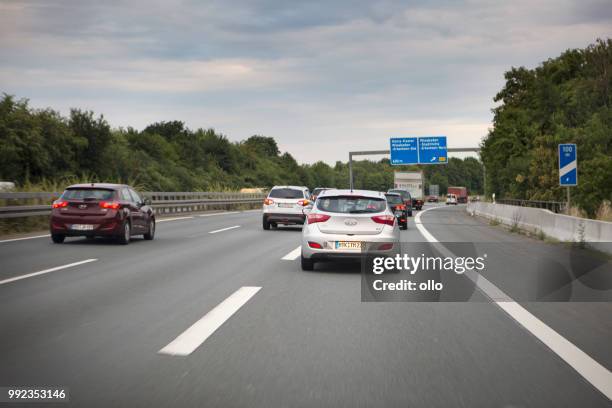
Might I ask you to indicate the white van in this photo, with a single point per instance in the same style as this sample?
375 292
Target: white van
451 199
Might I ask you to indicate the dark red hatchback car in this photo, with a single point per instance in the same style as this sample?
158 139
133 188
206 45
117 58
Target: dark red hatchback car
99 209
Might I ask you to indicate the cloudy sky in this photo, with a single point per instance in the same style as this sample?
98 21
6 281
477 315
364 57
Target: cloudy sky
322 77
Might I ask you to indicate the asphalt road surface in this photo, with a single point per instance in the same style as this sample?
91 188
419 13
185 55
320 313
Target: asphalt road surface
217 312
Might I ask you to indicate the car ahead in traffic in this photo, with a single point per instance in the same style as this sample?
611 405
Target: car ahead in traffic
451 199
342 222
318 190
433 199
284 205
396 203
100 209
406 197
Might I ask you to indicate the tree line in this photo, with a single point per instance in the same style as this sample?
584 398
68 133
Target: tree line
41 144
567 99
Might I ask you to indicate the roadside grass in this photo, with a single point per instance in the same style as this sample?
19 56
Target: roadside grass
9 226
604 212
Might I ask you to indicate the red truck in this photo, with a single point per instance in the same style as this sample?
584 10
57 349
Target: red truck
460 192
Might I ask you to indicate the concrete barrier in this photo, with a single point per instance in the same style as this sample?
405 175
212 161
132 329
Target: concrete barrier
597 234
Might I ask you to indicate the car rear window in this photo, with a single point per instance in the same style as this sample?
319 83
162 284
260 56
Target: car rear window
286 193
405 194
351 204
394 199
88 194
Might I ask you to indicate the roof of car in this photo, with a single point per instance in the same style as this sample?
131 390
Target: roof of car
98 185
359 193
294 187
393 194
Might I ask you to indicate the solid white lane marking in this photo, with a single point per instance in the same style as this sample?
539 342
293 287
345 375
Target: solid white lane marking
293 255
24 238
173 219
194 336
599 376
219 213
224 229
57 268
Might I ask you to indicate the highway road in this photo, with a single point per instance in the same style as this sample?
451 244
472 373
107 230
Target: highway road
217 312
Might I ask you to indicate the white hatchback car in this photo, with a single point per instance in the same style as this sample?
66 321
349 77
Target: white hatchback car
284 205
341 222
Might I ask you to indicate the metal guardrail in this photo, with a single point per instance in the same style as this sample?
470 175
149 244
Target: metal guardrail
162 202
554 206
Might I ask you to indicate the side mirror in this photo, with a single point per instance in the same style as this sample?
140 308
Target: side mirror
147 201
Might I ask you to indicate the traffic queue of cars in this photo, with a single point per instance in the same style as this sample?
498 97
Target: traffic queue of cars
338 223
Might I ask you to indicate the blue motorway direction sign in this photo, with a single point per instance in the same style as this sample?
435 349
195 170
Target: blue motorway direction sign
568 164
418 150
432 150
404 150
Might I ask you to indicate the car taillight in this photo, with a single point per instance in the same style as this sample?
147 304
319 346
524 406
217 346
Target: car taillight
303 203
60 204
385 247
315 245
312 218
384 219
400 207
111 205
268 201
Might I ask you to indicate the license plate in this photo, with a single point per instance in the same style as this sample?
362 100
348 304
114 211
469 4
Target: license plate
285 205
82 227
399 213
350 245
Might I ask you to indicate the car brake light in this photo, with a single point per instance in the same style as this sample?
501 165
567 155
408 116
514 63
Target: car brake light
60 204
312 218
400 207
303 203
315 245
268 201
111 205
384 219
385 247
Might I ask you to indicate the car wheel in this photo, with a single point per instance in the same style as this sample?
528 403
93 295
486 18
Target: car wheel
274 225
307 264
58 238
405 225
124 238
266 224
151 233
410 213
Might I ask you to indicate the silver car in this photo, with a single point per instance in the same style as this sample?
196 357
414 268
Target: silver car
342 222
